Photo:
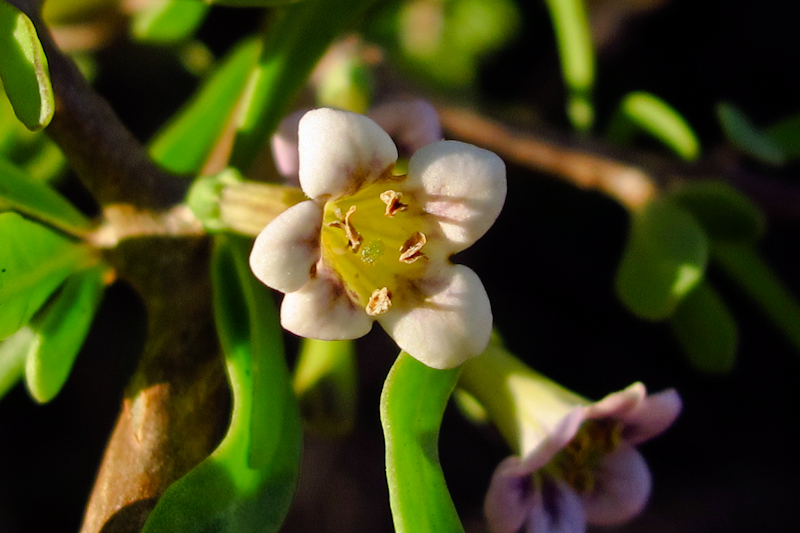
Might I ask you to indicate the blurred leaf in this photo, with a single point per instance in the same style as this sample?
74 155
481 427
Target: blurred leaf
57 12
412 406
23 69
247 483
37 200
647 112
742 262
32 151
185 143
13 351
576 52
786 136
722 211
253 3
326 385
706 330
346 85
665 258
293 44
34 261
59 332
742 134
168 21
444 41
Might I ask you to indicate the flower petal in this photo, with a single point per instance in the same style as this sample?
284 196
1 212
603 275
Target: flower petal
556 440
622 488
286 250
556 508
411 123
652 416
451 323
284 147
463 186
618 404
509 498
340 151
322 310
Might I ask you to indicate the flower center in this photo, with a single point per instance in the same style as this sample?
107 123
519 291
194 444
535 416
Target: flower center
578 462
375 240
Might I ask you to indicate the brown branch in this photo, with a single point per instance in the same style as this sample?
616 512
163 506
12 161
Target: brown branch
628 184
176 405
631 179
112 164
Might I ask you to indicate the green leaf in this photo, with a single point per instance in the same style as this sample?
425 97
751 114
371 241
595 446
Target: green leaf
247 483
168 21
576 52
34 261
326 385
253 3
412 406
664 259
742 262
32 151
745 136
293 44
13 351
786 136
706 330
23 69
37 200
647 112
722 211
185 143
59 332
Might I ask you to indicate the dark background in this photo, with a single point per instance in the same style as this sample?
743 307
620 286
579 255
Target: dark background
730 463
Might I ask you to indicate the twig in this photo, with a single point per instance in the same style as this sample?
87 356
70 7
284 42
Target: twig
112 164
631 180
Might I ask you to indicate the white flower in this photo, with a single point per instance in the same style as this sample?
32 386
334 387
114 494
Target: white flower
370 245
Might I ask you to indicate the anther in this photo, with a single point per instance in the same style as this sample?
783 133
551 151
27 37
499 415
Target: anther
393 204
411 249
379 302
353 237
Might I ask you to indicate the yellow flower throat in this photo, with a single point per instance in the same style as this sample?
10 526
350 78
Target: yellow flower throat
376 241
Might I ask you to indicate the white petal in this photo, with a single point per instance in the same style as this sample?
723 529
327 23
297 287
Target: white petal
340 151
462 185
285 251
452 323
411 123
322 310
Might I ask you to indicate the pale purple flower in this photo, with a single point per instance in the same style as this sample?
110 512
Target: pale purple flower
576 461
586 470
370 245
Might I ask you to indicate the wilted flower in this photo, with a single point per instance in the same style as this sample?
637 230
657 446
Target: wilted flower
577 461
371 245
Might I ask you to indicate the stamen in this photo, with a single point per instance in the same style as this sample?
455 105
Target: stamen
577 463
393 204
353 237
379 302
410 251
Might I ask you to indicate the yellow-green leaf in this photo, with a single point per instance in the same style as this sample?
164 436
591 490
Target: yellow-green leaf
23 68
